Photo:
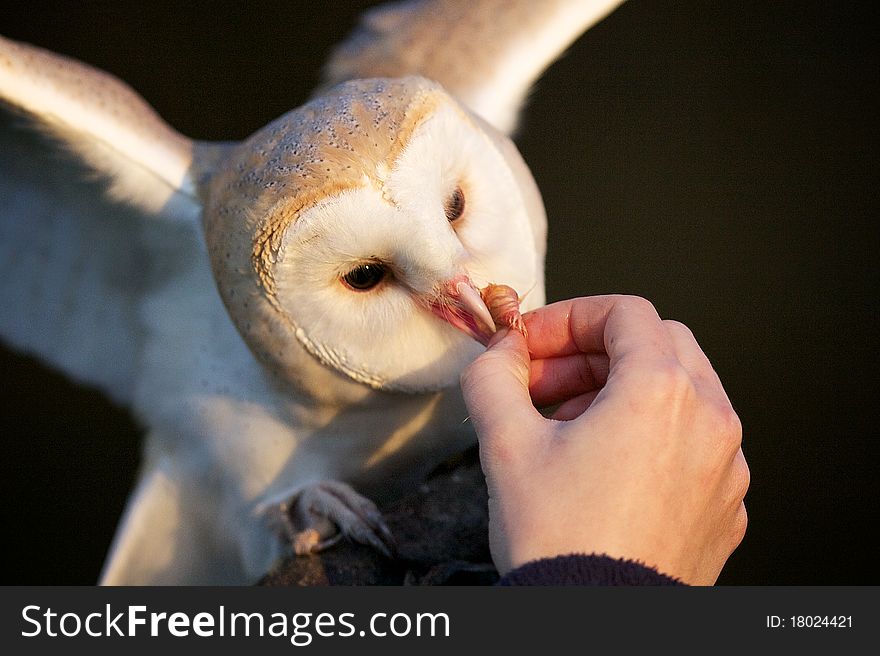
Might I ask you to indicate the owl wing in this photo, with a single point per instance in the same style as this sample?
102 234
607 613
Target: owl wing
74 263
487 53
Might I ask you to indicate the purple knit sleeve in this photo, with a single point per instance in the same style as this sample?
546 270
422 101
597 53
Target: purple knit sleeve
580 569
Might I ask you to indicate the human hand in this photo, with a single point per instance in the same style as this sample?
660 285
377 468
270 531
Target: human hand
642 458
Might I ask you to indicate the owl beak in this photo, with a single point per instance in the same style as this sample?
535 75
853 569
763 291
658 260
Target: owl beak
459 303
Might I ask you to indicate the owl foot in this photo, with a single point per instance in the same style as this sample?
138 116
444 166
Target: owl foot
318 516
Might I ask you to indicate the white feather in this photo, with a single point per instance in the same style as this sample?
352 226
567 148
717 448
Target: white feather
499 96
104 122
72 268
487 53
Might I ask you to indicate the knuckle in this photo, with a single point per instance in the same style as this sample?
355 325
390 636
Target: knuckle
678 328
637 303
668 379
733 423
664 389
729 427
740 525
630 303
743 478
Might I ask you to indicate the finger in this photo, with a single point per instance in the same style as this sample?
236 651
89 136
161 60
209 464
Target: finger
622 326
635 332
641 356
567 327
574 408
694 360
496 391
554 380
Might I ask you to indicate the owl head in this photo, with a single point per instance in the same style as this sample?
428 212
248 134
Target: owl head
353 230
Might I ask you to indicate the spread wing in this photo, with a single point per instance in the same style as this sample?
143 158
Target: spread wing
488 53
74 260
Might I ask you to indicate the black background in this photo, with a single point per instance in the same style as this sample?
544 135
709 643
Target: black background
719 159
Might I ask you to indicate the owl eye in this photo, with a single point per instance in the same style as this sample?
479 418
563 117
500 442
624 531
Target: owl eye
455 205
364 277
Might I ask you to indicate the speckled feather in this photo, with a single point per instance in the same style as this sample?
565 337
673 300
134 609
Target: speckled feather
487 53
331 144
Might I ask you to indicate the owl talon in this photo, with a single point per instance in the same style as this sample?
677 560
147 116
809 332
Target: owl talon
317 517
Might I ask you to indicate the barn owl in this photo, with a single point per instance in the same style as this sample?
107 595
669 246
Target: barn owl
287 315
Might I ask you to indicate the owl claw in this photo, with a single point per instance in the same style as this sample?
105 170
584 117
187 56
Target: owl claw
318 516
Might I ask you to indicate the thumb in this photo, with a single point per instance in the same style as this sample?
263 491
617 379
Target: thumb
496 391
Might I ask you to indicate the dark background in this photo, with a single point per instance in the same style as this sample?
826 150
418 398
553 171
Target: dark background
719 160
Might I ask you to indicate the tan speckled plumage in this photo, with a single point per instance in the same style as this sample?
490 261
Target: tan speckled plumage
472 39
468 46
327 146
